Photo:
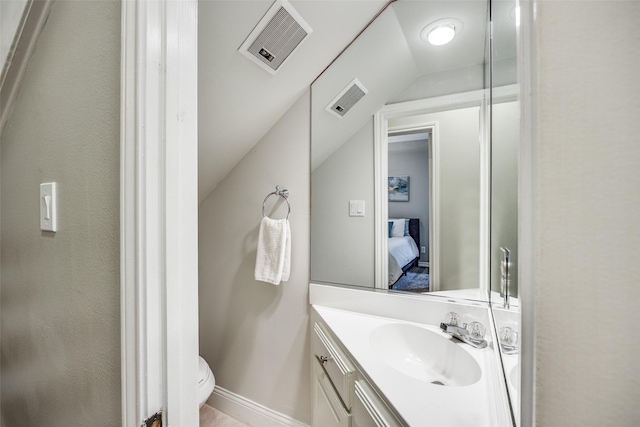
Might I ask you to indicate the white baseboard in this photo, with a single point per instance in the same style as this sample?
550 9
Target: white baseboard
248 411
423 264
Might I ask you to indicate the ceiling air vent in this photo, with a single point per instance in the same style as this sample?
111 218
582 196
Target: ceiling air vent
349 96
278 34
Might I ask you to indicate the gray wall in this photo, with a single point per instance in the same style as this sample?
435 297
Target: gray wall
342 247
416 165
255 335
61 292
588 214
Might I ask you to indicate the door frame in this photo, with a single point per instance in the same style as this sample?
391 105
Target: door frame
159 211
381 165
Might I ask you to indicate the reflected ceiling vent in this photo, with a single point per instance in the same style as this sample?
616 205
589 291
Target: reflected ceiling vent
349 96
276 37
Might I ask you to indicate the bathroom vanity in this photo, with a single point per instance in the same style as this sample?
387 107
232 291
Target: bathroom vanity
374 368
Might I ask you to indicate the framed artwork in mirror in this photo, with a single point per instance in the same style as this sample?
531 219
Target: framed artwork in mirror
399 188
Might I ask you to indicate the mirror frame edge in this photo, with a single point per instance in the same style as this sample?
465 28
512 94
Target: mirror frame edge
527 77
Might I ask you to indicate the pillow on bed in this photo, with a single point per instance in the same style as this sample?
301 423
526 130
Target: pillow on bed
390 228
398 227
406 227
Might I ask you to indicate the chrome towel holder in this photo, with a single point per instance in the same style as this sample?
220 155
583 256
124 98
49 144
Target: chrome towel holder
281 193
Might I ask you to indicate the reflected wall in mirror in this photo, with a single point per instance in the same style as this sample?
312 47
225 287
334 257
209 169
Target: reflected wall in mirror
505 125
504 195
393 64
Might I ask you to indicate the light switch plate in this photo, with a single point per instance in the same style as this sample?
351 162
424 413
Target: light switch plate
48 207
356 207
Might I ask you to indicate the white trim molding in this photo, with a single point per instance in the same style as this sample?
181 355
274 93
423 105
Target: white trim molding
381 207
249 411
484 249
159 208
424 106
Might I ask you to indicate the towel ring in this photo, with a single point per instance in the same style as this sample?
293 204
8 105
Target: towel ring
282 193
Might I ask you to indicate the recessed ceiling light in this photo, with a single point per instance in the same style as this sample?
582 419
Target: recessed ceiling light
441 35
442 31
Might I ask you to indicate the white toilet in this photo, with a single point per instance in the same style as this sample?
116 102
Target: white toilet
206 382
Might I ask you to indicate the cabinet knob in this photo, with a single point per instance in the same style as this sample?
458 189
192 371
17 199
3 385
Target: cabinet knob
323 359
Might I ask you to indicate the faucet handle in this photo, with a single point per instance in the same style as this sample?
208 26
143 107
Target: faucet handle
452 318
508 338
476 331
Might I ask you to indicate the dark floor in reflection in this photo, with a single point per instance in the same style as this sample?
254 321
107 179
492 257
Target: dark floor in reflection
416 279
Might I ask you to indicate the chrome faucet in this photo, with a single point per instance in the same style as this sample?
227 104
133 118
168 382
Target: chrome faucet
472 334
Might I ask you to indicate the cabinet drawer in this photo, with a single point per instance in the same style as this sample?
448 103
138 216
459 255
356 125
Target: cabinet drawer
336 364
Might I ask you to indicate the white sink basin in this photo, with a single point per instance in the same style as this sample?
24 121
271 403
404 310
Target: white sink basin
424 355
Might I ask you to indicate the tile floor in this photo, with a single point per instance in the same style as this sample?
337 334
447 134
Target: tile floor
211 417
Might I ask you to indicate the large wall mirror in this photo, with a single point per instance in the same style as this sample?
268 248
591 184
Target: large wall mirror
419 183
414 149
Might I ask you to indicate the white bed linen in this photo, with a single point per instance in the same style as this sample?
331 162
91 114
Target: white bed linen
401 251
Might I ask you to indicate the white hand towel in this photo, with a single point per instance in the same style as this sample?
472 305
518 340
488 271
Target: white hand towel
273 259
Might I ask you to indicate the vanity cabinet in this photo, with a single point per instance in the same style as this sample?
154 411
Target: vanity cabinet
341 394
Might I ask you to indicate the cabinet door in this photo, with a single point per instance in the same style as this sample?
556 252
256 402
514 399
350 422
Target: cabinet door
327 410
337 365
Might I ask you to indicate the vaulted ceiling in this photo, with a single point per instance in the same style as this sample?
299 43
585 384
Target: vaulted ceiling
238 100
